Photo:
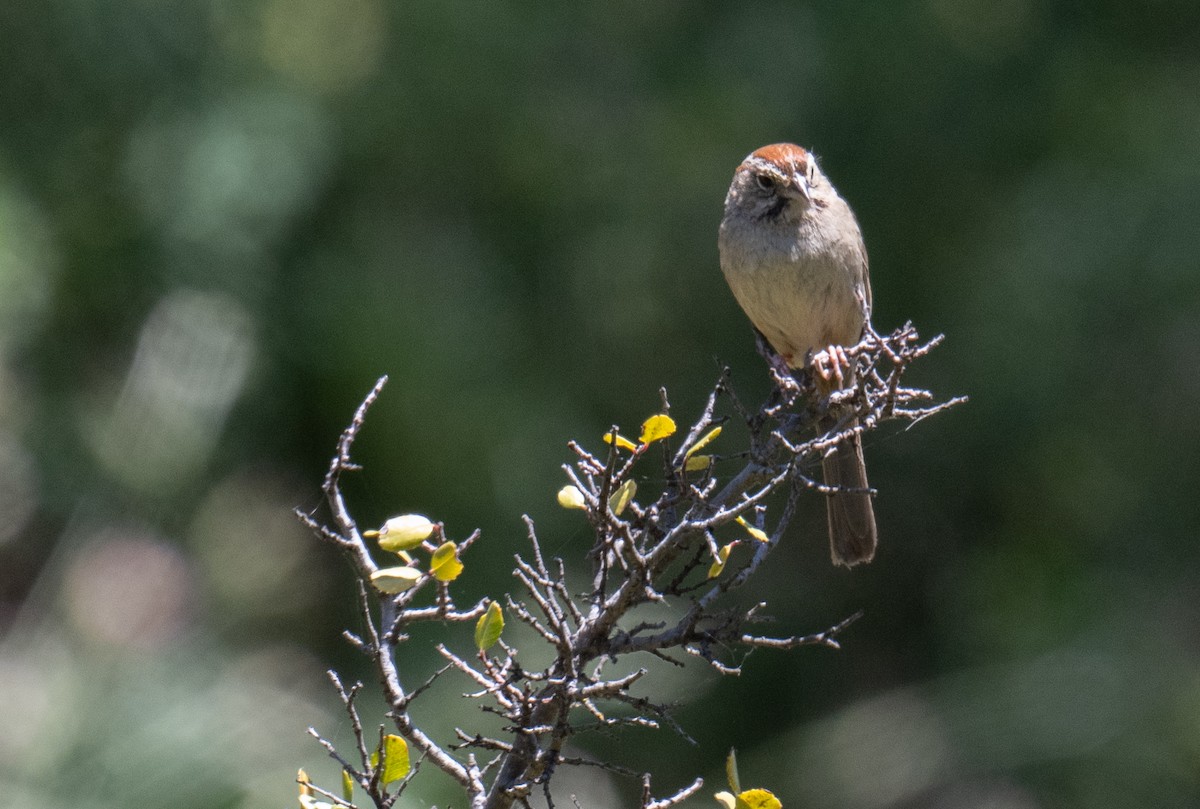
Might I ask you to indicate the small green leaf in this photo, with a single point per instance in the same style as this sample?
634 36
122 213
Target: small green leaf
404 532
697 463
307 801
657 428
347 787
489 627
393 580
751 798
444 564
621 497
570 497
396 765
731 771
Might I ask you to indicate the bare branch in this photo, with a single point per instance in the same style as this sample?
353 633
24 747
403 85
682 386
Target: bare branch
827 638
652 549
674 800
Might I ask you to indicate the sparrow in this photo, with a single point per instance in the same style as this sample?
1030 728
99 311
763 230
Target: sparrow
793 255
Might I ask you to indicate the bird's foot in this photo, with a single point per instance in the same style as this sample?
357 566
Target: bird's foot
827 365
787 387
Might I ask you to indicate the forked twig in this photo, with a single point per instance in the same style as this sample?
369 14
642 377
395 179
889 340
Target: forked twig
673 545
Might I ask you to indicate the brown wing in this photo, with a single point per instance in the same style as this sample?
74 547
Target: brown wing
866 276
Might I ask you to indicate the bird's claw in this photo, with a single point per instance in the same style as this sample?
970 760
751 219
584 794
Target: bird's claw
785 382
828 364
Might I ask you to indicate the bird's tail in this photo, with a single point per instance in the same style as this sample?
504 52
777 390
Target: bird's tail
852 536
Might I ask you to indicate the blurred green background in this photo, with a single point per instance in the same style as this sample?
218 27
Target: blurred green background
221 220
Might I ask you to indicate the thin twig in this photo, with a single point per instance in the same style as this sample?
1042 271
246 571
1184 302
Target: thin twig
646 551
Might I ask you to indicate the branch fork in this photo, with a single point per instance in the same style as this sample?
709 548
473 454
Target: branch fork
654 550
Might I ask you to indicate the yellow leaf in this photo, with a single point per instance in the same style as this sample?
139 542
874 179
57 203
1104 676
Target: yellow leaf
394 580
757 533
489 627
307 801
571 497
722 557
444 564
621 497
757 799
657 428
396 765
347 787
621 441
697 463
703 442
404 532
731 771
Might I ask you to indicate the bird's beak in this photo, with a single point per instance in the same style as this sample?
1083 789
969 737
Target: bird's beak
800 183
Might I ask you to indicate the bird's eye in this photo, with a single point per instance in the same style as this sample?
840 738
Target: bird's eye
765 181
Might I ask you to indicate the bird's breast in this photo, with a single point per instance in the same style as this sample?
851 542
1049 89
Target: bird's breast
801 299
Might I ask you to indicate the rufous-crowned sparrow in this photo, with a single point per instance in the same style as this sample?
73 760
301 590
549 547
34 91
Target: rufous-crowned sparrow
793 255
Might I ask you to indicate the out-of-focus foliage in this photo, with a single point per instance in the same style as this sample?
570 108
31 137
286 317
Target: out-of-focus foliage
220 221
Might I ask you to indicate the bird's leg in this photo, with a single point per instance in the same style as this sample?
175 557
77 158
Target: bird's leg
827 366
782 374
